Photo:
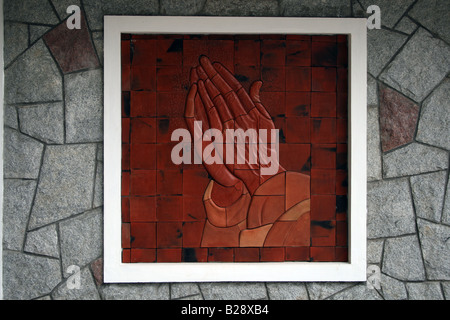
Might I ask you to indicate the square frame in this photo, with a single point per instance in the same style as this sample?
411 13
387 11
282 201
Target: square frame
355 270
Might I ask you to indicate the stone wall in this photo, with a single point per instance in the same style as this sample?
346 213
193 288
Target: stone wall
53 150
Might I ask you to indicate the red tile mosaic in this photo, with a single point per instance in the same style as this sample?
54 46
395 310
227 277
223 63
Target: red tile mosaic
198 212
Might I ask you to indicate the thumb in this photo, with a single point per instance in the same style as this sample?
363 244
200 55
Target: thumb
255 89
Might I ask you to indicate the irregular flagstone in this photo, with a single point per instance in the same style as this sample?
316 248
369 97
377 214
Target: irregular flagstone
392 289
374 250
382 44
402 259
398 119
434 15
414 158
44 122
421 65
323 290
62 5
28 276
94 14
97 271
389 209
33 77
43 241
446 211
98 192
66 184
37 32
424 291
72 48
86 291
287 291
240 8
313 8
158 291
84 106
32 11
187 7
434 124
373 146
391 11
358 292
18 196
22 155
181 290
428 192
233 291
10 117
81 239
372 91
434 239
16 40
406 25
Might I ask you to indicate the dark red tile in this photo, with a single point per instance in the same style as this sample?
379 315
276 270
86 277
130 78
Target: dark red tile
163 156
323 79
273 78
169 208
144 52
194 254
169 52
296 157
274 103
341 233
143 235
126 77
169 234
324 54
143 104
342 80
323 156
323 233
126 255
169 182
222 51
342 55
298 79
341 156
143 209
247 52
322 254
192 233
125 210
272 254
273 52
192 50
143 255
193 208
297 130
125 52
298 53
324 38
126 104
341 182
341 207
246 254
297 253
143 130
126 235
143 78
323 104
195 182
143 156
341 254
125 157
342 105
220 254
171 104
168 255
298 37
323 207
143 182
247 75
125 183
341 38
323 181
298 104
169 79
342 128
323 130
125 130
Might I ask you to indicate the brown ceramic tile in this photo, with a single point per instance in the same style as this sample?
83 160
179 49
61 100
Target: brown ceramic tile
143 104
323 233
143 182
143 255
194 254
125 183
195 182
272 254
297 253
323 207
125 130
298 79
323 130
125 157
169 208
143 130
168 255
126 235
323 181
143 156
220 254
125 209
192 233
126 77
193 208
322 254
299 234
246 254
126 255
142 209
125 52
163 156
169 234
297 130
323 156
143 235
341 233
169 182
296 157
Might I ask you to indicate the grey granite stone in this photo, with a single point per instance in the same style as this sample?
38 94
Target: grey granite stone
36 32
97 38
414 158
373 145
406 25
287 291
446 211
16 40
185 8
184 290
84 106
372 91
434 239
66 184
382 44
428 192
374 250
389 209
424 291
62 5
135 291
240 8
125 7
33 77
86 291
32 11
357 292
357 10
434 124
233 291
315 8
44 122
10 117
391 11
98 192
43 241
402 259
18 197
421 65
22 155
27 276
81 239
323 290
393 289
446 289
94 13
433 15
100 152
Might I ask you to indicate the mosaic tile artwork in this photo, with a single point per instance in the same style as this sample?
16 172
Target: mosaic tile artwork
231 212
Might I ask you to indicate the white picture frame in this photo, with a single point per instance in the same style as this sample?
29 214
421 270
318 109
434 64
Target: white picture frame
354 270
